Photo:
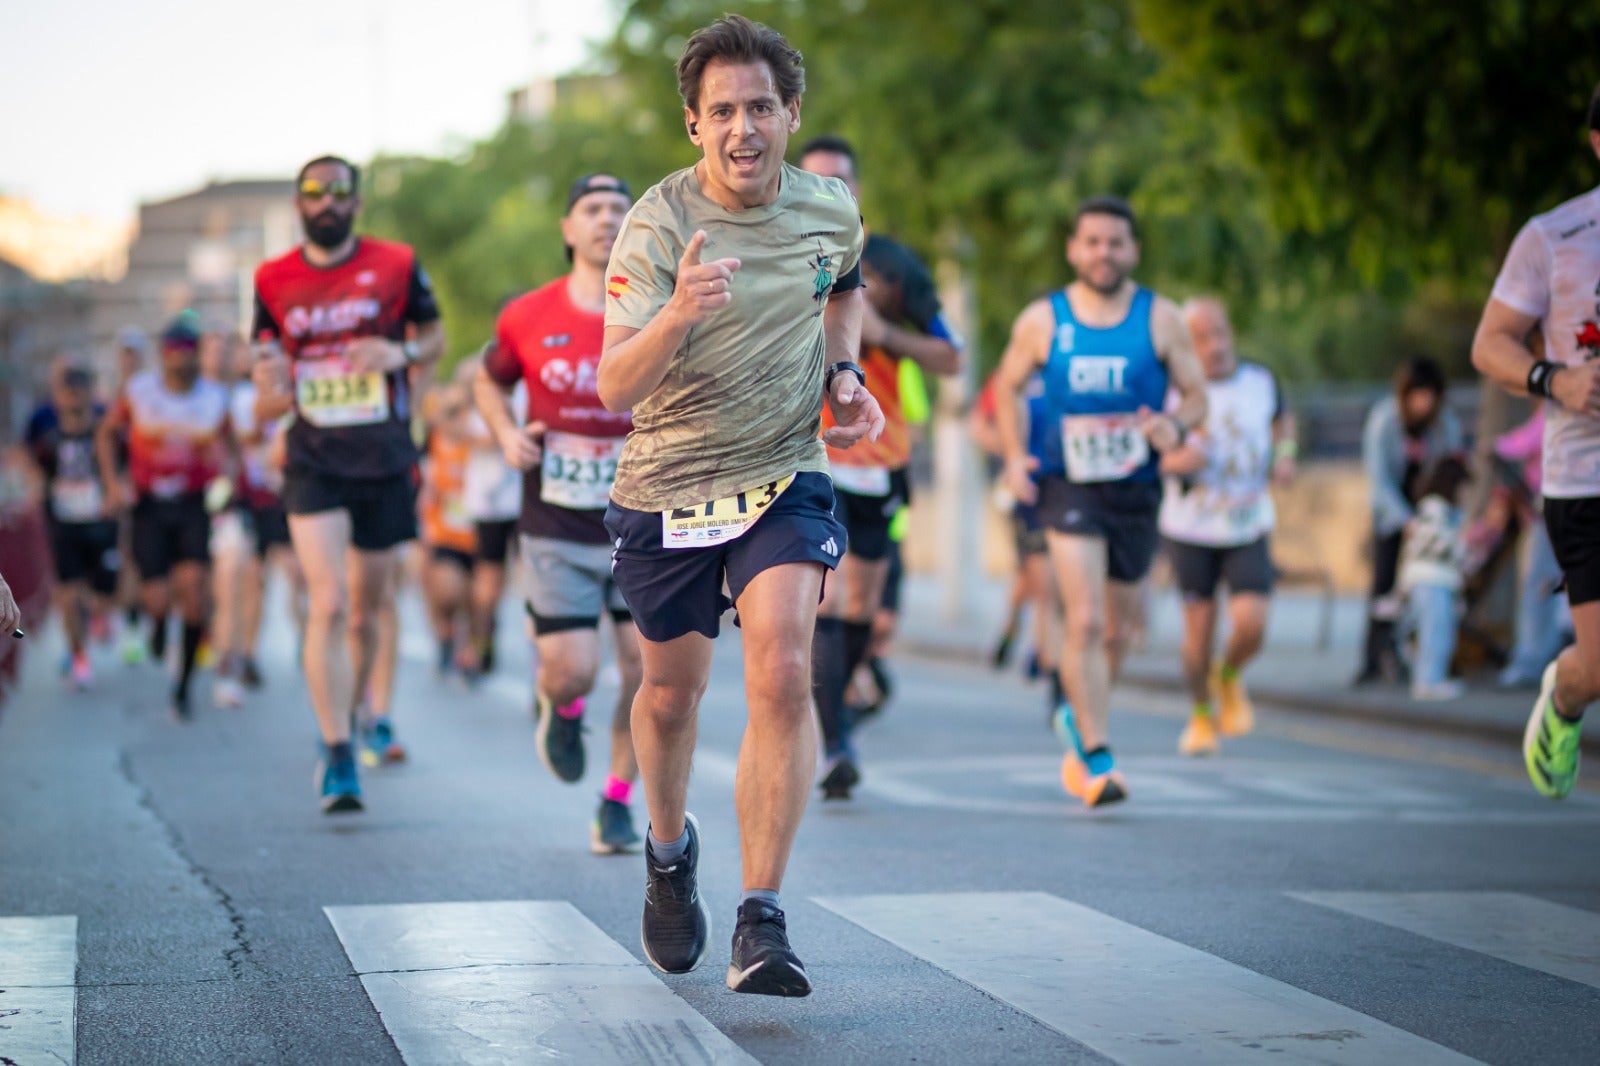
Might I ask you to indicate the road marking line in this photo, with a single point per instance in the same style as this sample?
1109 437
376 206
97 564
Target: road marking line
1132 995
517 981
38 989
1520 929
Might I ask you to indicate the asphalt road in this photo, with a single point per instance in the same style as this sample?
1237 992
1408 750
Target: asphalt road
1322 892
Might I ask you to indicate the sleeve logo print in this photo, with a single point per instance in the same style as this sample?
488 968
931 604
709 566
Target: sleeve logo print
616 286
1589 339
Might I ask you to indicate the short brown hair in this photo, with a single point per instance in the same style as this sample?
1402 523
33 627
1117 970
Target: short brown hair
735 39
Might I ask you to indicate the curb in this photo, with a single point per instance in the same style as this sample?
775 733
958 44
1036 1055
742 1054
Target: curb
1278 699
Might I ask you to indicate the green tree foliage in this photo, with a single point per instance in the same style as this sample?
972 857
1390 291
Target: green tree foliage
1417 137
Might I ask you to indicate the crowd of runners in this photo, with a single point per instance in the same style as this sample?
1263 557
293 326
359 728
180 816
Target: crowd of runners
715 408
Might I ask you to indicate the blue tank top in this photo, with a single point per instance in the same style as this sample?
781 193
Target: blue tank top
1095 371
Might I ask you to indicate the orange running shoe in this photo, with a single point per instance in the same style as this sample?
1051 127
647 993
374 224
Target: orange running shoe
1199 736
1074 775
1235 715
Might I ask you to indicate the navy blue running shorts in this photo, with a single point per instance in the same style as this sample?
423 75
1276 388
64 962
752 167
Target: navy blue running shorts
674 591
1122 513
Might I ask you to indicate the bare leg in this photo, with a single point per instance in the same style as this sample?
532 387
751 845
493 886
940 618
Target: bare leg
371 577
1247 627
1199 637
321 542
779 748
624 767
1080 565
1578 668
488 584
253 581
665 724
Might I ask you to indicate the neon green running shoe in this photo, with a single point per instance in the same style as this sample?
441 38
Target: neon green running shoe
1550 743
133 649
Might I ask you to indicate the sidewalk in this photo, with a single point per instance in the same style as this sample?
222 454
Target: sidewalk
1295 671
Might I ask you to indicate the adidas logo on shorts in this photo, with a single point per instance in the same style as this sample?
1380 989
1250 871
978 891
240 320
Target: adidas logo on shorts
831 546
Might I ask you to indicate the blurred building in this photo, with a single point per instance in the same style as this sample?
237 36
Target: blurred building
199 251
37 319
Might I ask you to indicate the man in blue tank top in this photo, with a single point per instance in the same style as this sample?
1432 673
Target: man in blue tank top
1108 350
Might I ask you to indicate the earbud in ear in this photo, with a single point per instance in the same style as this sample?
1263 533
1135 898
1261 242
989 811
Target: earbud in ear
694 129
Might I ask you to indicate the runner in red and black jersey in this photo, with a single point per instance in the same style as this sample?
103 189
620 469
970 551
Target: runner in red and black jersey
178 436
351 315
83 533
551 339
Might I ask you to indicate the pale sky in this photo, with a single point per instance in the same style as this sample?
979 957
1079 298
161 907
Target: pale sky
104 103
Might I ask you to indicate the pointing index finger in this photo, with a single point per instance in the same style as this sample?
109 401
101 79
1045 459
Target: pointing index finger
691 254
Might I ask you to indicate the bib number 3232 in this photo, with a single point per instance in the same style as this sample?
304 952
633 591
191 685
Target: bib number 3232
577 471
719 521
1103 447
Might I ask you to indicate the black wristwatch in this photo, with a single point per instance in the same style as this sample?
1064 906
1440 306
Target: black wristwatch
842 368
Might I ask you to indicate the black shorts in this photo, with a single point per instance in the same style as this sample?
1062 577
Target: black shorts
169 532
1122 513
270 525
496 539
454 556
1199 568
383 511
866 519
1574 528
674 591
86 551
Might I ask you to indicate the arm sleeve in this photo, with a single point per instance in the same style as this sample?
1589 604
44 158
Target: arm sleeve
850 275
1524 281
848 281
264 322
421 306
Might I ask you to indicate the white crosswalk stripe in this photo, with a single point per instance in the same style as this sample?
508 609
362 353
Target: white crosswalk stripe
514 982
38 996
1524 930
1132 995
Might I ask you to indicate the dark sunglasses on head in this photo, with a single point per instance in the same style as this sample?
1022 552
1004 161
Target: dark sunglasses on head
312 189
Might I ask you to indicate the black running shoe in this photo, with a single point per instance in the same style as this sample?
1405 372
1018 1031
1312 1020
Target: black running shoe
560 741
250 674
763 963
676 928
1002 651
179 705
612 832
842 775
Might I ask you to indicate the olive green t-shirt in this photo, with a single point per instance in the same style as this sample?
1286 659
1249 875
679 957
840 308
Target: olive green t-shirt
741 402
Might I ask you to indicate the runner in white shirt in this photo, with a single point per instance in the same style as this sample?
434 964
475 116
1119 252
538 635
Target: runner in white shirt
493 497
1217 519
1551 279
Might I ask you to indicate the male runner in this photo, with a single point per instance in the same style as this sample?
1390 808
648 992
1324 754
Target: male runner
1551 279
733 288
340 306
83 535
900 320
1109 349
1217 518
493 495
550 339
177 430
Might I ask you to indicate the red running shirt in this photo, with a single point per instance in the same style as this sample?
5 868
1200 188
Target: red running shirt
174 439
546 340
347 424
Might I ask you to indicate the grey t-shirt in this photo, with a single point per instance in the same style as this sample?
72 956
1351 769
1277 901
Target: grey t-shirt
741 402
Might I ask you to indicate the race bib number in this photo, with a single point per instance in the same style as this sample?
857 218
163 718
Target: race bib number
170 486
328 393
77 500
577 471
719 521
455 516
1103 447
861 480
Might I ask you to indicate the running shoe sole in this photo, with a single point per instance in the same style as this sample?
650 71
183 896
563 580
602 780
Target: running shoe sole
1104 790
339 802
770 977
600 847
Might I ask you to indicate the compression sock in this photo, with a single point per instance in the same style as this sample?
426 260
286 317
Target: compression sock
829 679
192 635
158 638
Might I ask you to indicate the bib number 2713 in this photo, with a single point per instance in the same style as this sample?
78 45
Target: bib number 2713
719 521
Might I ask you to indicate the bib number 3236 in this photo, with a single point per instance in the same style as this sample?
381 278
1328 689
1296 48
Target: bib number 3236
1103 447
719 521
